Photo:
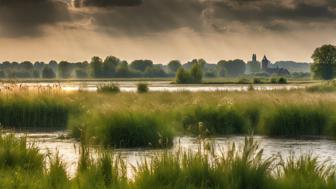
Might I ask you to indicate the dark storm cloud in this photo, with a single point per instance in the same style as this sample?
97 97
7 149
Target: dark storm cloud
151 16
140 17
110 3
26 17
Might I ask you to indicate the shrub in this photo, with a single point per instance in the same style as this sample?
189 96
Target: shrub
142 88
257 81
274 80
243 81
108 88
282 80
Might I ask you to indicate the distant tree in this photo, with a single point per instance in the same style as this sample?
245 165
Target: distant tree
53 65
96 67
233 67
182 76
196 73
154 71
122 69
324 66
174 65
141 65
110 65
48 73
65 69
221 71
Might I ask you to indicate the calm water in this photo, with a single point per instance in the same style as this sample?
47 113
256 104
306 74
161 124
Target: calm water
130 86
324 149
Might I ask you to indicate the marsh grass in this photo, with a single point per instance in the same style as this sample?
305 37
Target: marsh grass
237 168
128 130
108 88
298 121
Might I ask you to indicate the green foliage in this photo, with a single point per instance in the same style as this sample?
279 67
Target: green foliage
233 67
329 86
324 66
174 65
297 120
108 88
141 65
129 130
195 75
48 73
96 66
257 81
40 111
142 88
282 80
214 120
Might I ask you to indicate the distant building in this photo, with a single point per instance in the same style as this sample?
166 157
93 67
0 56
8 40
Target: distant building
266 67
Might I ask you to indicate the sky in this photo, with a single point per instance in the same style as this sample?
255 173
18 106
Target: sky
162 30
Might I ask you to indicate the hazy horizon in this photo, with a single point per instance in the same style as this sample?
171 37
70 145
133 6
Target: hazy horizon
163 30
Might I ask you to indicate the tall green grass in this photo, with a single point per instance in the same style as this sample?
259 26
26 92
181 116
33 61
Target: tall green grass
220 120
37 111
127 130
239 167
298 120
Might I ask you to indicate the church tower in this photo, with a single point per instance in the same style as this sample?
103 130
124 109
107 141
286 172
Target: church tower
265 63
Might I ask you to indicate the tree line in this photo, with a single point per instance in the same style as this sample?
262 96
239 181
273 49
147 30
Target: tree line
113 67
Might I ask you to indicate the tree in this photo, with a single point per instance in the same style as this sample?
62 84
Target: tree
141 65
48 72
174 65
182 76
96 67
196 73
110 64
65 69
234 68
324 66
154 71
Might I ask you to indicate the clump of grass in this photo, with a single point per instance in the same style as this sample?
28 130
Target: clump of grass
142 88
223 120
14 154
129 130
326 87
234 170
108 88
37 111
297 120
104 172
243 81
274 80
306 173
282 80
257 81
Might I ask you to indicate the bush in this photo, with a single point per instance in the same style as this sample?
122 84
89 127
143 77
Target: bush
142 88
108 88
274 80
282 80
257 81
244 81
